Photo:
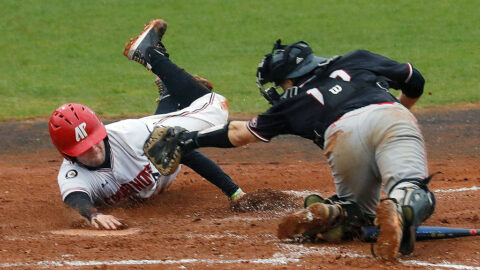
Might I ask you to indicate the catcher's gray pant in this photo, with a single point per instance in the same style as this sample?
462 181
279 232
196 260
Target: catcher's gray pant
374 145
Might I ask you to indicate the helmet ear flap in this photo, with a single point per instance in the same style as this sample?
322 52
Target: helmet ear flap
69 158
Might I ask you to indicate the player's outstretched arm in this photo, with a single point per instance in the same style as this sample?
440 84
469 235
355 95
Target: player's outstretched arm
81 202
232 134
166 145
239 135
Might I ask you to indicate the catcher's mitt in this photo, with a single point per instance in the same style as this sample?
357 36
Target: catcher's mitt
163 148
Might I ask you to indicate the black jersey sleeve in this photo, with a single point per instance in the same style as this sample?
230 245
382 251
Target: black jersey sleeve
268 125
80 201
295 115
402 75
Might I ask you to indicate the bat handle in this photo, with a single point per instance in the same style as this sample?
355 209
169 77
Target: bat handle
369 234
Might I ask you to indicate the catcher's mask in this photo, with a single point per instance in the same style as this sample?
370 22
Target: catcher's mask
75 128
286 62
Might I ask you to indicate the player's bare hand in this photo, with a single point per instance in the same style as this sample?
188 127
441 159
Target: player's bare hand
108 222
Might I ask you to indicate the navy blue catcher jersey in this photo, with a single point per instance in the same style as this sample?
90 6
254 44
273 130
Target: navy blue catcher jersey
348 82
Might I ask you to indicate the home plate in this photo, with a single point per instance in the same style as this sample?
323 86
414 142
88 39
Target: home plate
85 232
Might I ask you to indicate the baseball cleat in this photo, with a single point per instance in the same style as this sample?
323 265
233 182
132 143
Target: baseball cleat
151 36
162 89
311 199
318 216
391 230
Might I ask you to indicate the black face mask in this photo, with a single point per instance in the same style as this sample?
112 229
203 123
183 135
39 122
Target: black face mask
282 61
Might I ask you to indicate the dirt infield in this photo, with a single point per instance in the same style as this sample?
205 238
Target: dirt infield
191 225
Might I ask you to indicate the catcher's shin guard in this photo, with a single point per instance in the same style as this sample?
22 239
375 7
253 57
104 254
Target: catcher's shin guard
353 214
417 205
318 216
352 221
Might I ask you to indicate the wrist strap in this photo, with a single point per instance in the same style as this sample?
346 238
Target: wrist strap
239 190
93 215
214 137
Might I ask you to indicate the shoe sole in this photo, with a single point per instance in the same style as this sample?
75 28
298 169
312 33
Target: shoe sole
390 237
133 44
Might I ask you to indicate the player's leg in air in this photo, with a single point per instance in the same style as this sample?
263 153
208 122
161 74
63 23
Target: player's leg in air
177 90
168 103
165 102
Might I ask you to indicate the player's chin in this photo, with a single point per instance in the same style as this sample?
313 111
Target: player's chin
93 161
99 161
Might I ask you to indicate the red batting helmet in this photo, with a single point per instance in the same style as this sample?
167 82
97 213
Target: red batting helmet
74 128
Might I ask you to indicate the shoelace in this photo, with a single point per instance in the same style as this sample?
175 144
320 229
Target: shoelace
143 62
140 60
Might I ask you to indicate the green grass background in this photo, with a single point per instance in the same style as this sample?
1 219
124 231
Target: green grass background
58 51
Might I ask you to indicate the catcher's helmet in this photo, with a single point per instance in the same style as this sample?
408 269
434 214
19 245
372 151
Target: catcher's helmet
74 128
287 62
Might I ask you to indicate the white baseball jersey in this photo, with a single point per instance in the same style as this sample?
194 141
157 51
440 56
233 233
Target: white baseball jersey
131 174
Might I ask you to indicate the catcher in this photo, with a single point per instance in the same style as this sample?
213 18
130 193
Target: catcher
106 165
370 138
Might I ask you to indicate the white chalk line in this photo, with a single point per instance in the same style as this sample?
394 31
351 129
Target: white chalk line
181 236
300 250
305 193
215 236
300 194
46 264
445 264
293 254
474 188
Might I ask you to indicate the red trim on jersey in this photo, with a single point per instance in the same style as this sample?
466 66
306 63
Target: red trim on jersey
254 133
410 72
210 102
342 117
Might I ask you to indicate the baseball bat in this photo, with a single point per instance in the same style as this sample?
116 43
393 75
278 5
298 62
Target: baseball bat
370 233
